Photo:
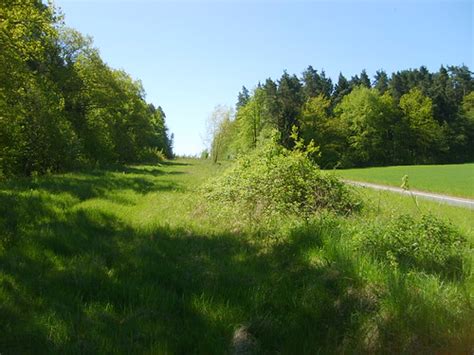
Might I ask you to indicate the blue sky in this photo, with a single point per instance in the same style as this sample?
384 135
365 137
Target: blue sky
192 55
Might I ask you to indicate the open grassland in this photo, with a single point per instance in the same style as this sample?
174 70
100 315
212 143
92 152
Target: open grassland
128 261
453 179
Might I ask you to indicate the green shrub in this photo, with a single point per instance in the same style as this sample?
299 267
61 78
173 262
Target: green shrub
273 181
428 244
152 155
204 154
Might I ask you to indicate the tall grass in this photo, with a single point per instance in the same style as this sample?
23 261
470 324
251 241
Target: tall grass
129 261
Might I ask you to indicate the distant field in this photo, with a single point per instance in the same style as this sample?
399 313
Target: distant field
384 204
454 179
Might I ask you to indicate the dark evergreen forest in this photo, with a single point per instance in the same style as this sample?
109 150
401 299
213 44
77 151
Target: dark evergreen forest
412 116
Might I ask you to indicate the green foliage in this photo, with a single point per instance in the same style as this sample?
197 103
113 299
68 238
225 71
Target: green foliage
329 132
273 180
289 101
422 134
126 261
314 116
341 89
405 184
364 79
315 83
243 98
467 107
250 121
204 154
427 244
369 118
152 155
411 117
381 81
61 106
220 131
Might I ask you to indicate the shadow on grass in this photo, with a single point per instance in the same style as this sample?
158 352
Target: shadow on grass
94 184
82 281
175 163
150 170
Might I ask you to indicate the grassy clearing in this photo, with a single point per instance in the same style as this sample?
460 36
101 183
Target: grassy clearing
129 261
455 179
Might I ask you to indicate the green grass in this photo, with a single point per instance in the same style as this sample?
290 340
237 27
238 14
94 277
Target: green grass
455 179
128 261
382 205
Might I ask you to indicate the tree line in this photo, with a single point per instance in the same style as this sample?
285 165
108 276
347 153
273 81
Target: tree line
410 117
61 105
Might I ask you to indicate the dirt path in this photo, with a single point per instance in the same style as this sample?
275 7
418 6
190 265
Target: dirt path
450 200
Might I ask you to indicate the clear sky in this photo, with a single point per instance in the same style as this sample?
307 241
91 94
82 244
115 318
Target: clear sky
192 55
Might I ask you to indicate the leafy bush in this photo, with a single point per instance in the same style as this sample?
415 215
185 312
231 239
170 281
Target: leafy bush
273 180
204 154
152 155
428 244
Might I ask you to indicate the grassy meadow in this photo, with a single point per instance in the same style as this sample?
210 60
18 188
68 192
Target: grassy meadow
129 261
452 179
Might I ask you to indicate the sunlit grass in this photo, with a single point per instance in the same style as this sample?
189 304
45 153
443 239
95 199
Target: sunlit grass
383 205
452 179
128 261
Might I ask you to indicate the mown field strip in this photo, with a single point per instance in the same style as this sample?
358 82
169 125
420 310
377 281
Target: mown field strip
453 180
454 201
